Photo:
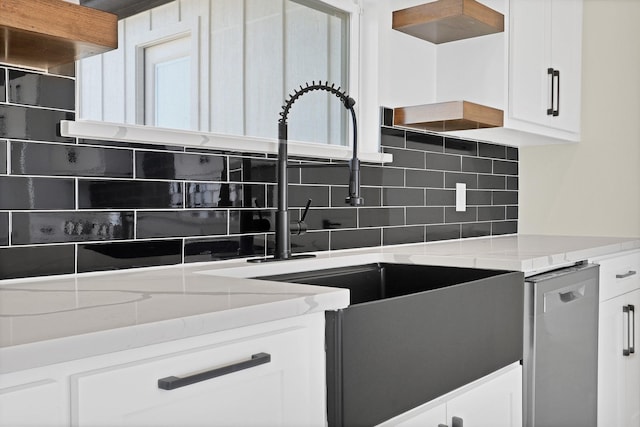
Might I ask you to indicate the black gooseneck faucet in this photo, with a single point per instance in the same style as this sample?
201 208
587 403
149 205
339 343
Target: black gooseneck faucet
283 224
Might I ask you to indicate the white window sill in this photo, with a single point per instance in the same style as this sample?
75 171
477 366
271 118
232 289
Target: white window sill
161 136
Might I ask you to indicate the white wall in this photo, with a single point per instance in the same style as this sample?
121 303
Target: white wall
593 188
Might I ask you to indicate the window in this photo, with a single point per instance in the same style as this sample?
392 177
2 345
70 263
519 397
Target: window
167 93
243 58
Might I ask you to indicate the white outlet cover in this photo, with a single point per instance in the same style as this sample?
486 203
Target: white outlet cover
461 197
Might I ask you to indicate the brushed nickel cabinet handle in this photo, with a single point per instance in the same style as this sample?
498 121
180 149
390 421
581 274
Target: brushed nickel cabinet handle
627 274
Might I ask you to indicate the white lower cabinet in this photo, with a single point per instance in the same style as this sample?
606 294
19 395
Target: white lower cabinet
273 392
270 374
32 403
618 353
492 401
619 372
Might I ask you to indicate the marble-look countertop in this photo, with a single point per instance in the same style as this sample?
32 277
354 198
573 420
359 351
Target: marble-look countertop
57 319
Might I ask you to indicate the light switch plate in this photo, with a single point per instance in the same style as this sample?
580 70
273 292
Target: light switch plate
461 197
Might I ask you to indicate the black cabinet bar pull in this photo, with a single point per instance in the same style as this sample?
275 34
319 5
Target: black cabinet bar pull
627 274
556 75
550 73
171 383
626 350
457 422
632 320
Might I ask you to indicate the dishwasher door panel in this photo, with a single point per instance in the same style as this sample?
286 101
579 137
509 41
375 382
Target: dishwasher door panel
562 355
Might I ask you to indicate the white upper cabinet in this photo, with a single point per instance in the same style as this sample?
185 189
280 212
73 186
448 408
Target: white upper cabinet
532 72
545 39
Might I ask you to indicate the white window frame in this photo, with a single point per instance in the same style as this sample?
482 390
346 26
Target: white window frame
363 90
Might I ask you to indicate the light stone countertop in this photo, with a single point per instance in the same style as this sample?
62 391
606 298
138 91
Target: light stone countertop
57 319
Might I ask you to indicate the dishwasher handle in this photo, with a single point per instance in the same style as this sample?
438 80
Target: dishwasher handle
558 298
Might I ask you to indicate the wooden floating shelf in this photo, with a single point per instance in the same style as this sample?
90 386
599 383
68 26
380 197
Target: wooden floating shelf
48 33
444 21
448 116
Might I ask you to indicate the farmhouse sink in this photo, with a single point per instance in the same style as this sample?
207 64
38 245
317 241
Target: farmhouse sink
413 333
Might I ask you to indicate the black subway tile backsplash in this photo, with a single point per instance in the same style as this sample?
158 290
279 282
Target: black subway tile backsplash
221 248
152 224
477 229
31 261
3 157
300 194
492 150
424 178
446 162
110 194
425 142
380 176
491 213
505 168
505 197
406 158
390 137
3 85
251 221
453 178
479 198
71 226
32 123
118 255
313 241
327 176
248 169
443 232
361 238
425 215
492 182
460 146
378 217
504 227
402 235
30 88
403 196
195 167
70 205
437 197
33 158
329 219
17 193
468 215
4 228
475 164
223 194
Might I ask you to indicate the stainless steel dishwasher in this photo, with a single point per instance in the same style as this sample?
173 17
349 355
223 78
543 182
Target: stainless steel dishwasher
561 348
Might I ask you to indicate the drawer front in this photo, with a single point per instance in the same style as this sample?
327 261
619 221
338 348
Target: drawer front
619 274
273 391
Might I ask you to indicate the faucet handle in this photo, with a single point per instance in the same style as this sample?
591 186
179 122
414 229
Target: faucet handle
299 227
306 210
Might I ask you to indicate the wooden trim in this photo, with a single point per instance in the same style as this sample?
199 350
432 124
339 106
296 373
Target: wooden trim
448 116
47 33
443 21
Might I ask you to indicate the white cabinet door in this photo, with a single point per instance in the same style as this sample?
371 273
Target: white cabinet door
276 393
619 370
498 403
436 416
492 401
36 404
545 35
